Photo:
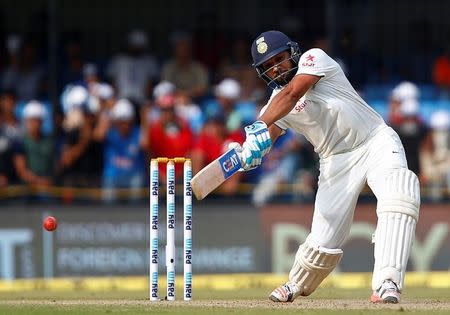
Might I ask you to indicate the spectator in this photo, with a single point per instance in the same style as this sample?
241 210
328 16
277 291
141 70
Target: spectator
11 125
10 134
441 72
13 45
134 72
73 60
89 79
33 157
279 167
227 104
26 77
435 156
79 164
6 157
123 157
169 136
405 91
237 66
190 112
102 97
213 141
90 75
184 107
188 75
411 130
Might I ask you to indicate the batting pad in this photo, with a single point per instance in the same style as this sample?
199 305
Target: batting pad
398 212
311 266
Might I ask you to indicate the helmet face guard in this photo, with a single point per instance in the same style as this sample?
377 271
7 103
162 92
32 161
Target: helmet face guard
285 77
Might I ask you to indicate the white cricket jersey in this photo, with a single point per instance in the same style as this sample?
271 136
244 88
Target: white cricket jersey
331 115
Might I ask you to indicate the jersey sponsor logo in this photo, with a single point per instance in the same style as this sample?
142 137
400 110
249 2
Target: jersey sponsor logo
310 58
300 106
230 163
309 62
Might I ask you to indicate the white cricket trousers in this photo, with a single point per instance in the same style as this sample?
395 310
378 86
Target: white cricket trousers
343 176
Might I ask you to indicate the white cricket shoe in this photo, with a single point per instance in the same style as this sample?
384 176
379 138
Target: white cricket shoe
285 293
387 293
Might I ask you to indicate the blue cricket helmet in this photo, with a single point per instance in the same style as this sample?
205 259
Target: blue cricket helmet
266 46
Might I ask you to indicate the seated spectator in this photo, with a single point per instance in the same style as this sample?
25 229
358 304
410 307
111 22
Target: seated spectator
8 107
227 103
441 72
237 65
13 45
33 156
102 97
26 77
405 91
412 130
170 135
6 157
212 142
72 61
279 167
74 97
123 157
90 75
10 134
189 111
134 72
79 163
189 76
89 78
435 156
184 107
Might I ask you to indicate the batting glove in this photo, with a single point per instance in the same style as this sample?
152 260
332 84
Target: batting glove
258 134
239 149
251 155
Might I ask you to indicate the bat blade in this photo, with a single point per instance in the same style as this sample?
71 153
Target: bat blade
215 173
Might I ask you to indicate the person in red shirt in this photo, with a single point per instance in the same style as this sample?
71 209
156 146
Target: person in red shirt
441 70
169 136
212 142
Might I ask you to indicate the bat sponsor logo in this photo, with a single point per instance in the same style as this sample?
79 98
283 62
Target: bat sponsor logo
230 163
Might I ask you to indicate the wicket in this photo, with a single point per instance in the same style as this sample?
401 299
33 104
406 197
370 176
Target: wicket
170 227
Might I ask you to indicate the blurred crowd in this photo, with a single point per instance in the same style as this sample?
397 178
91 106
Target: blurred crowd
112 118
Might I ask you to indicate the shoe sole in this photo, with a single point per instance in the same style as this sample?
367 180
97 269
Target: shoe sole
274 299
390 299
387 300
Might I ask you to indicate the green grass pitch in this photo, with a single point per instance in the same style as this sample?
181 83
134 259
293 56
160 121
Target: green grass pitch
248 301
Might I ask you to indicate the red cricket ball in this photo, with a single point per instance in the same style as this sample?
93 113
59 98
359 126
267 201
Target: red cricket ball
50 223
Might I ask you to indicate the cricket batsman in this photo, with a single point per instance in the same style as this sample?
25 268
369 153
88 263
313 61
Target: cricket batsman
312 96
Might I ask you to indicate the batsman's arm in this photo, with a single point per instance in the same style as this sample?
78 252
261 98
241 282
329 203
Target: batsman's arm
275 132
286 99
225 166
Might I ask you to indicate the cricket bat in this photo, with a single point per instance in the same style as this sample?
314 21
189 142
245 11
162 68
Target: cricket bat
215 173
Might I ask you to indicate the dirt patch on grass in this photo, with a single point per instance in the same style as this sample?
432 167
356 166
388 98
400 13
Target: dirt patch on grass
341 304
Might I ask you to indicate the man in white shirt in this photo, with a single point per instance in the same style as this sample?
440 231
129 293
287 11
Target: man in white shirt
134 72
313 97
